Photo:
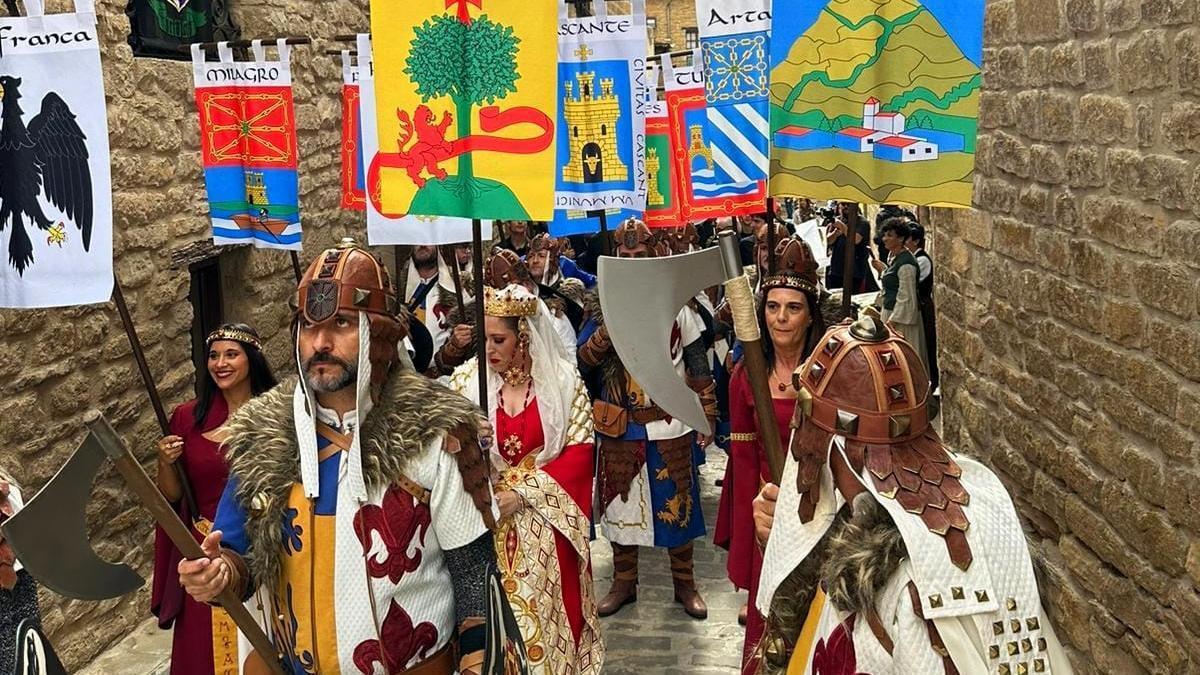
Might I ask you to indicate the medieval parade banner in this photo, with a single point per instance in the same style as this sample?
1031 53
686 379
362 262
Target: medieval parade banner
464 107
396 228
353 173
248 147
706 187
55 186
876 102
602 88
662 187
735 46
158 28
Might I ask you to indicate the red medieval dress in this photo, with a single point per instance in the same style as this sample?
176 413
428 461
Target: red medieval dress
744 475
193 644
543 548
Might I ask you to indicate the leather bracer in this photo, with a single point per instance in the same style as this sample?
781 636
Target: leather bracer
706 389
596 348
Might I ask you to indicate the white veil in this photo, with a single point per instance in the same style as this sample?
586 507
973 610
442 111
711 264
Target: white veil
555 378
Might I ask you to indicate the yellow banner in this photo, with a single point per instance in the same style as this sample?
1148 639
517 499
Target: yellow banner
465 102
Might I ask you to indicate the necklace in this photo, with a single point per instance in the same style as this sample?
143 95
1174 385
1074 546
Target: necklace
512 443
515 376
782 383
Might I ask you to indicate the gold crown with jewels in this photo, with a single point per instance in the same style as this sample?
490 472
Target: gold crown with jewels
505 303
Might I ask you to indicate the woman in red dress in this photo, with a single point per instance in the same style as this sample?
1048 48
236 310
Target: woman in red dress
788 312
542 456
237 371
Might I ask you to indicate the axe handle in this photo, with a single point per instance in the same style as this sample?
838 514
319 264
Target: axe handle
182 537
745 325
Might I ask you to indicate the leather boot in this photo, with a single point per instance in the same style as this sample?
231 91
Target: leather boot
625 579
684 578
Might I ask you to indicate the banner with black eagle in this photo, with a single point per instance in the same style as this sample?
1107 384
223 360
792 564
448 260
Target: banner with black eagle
55 184
248 147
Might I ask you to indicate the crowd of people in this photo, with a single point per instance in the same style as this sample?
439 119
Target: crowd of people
374 516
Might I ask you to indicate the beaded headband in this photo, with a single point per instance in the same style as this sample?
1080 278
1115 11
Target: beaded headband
233 334
503 304
792 281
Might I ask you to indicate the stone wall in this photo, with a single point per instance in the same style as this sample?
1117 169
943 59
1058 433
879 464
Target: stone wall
673 18
55 365
1068 314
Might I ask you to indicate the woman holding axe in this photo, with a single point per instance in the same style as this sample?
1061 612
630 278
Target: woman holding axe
789 313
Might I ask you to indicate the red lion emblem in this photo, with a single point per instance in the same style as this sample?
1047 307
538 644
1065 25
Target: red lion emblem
430 148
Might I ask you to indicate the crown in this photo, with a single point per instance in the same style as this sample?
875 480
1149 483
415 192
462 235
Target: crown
233 334
503 303
792 281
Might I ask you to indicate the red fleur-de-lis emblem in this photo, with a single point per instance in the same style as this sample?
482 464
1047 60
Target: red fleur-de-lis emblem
463 15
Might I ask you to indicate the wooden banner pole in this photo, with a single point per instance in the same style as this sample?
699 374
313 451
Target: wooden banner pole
139 356
848 260
770 236
480 343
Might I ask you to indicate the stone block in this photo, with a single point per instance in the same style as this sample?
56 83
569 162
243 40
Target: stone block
1184 238
1149 383
1009 71
1124 223
995 110
1125 171
1181 126
1048 165
1039 20
1187 60
1037 67
1066 64
1105 119
1148 529
1083 16
1144 61
1035 205
998 23
1177 344
997 196
1010 154
1123 322
1066 211
1145 125
1086 166
1168 12
1168 181
1056 117
1099 64
1168 286
1121 15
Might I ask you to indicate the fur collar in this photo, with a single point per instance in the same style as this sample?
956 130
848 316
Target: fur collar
264 457
863 554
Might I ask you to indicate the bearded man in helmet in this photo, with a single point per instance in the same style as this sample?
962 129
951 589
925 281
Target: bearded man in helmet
355 511
648 480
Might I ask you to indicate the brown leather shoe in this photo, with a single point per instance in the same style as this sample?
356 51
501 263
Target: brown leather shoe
684 578
743 613
624 588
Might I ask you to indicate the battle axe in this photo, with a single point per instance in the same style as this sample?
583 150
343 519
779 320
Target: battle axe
640 299
49 535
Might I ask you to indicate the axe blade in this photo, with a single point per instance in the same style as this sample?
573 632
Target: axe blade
640 299
49 535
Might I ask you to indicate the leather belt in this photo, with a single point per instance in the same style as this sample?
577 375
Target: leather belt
644 416
441 663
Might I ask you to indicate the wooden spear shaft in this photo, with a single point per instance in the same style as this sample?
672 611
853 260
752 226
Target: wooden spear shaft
139 356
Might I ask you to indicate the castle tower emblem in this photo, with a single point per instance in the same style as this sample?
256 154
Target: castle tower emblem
698 147
591 123
654 195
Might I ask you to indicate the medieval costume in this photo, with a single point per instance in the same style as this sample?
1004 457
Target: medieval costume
544 453
901 302
747 470
196 649
872 564
418 287
359 543
18 590
442 299
928 309
563 295
648 479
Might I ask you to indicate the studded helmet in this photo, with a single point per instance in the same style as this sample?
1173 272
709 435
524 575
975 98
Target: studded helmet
633 234
505 267
866 384
795 267
349 278
551 246
681 239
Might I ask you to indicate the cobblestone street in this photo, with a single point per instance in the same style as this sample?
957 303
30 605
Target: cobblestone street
652 635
